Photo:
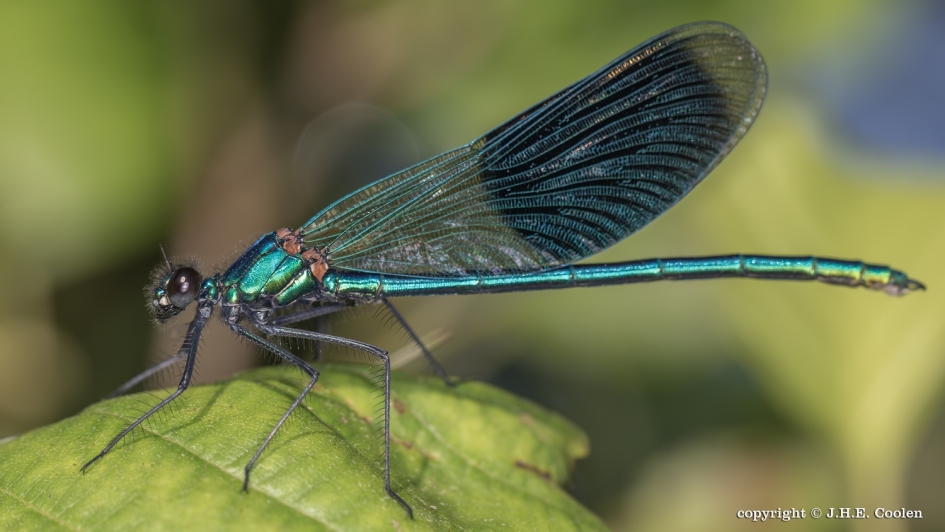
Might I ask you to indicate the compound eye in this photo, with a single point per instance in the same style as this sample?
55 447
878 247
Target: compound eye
182 286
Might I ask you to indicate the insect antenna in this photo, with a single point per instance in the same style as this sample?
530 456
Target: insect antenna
166 261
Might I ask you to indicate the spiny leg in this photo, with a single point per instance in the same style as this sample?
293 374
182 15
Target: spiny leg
188 349
292 359
124 388
316 313
275 330
307 314
437 368
321 326
324 310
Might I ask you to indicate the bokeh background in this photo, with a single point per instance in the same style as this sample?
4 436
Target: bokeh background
201 125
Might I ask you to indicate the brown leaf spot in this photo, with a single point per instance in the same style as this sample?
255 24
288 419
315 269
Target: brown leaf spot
533 469
399 406
410 447
398 441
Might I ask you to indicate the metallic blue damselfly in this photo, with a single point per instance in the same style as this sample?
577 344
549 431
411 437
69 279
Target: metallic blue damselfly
513 210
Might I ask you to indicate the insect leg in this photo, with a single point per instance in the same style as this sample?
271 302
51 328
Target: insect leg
437 368
188 349
121 390
275 330
321 326
307 314
316 313
289 357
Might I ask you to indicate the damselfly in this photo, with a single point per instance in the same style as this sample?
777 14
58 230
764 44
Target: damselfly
513 210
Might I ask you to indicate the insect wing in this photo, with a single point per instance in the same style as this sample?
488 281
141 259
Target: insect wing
567 178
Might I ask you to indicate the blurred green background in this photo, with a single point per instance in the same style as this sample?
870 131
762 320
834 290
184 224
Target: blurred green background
201 125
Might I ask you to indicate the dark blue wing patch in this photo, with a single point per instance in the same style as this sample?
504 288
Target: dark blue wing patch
567 178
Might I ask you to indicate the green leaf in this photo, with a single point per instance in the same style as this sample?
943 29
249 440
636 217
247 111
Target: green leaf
472 458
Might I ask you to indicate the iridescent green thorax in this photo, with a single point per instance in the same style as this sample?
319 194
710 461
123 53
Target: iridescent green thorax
266 271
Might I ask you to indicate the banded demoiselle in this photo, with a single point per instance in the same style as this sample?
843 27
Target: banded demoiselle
513 210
